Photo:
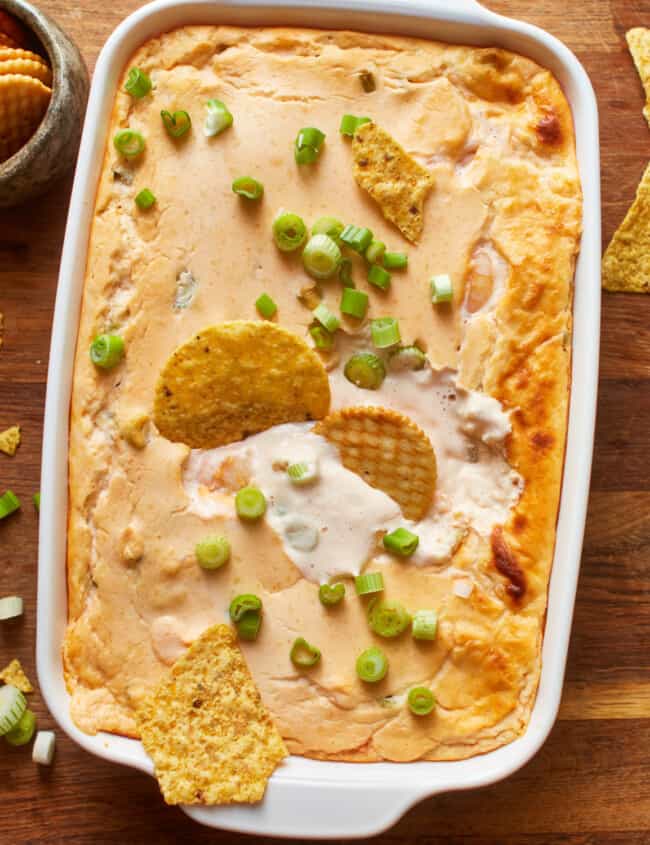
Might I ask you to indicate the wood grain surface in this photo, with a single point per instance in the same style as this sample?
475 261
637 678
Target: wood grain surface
590 784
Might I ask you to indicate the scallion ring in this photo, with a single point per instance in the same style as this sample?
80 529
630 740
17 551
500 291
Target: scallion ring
387 618
137 83
407 358
375 252
425 625
246 614
250 504
354 303
331 594
106 351
421 701
401 542
23 731
302 472
303 654
177 124
308 145
248 188
212 552
129 143
12 707
365 370
266 306
358 239
441 289
217 119
345 273
368 583
378 277
325 317
145 199
289 231
321 257
372 665
329 226
9 503
385 332
395 260
323 340
350 123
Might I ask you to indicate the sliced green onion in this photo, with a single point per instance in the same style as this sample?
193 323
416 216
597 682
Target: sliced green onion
266 306
177 124
12 707
387 618
407 358
385 332
321 337
331 594
368 81
425 625
396 260
106 351
9 503
441 289
217 118
248 188
329 226
345 273
36 498
289 231
11 607
129 143
379 277
372 665
350 123
369 582
375 252
212 552
325 317
321 256
43 748
365 370
137 83
421 701
358 239
401 542
303 654
145 199
23 731
303 472
307 147
250 503
354 303
246 614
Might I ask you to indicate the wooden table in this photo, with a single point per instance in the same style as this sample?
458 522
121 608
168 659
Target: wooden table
590 784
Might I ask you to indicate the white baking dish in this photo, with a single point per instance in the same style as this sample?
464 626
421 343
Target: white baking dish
307 798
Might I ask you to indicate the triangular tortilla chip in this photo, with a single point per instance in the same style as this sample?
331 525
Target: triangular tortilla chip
10 440
626 263
638 40
13 674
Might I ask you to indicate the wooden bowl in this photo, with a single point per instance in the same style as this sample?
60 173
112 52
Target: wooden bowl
52 149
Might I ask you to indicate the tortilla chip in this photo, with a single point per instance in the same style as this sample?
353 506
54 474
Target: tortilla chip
210 737
638 40
397 183
236 379
626 263
10 440
13 674
388 451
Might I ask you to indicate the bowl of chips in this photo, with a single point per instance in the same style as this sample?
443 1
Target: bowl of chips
43 93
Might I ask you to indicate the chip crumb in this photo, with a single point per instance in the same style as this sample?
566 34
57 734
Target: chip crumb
397 183
135 429
10 440
638 42
206 729
14 674
626 263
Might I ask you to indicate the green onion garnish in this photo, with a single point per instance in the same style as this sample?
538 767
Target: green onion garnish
379 277
365 370
354 303
248 188
107 350
401 542
331 594
177 124
129 143
303 472
43 748
407 358
36 498
250 503
12 707
345 273
289 231
23 731
425 625
369 582
385 332
421 701
145 199
396 260
325 317
212 552
368 81
9 503
441 289
307 147
350 123
375 252
303 654
321 257
137 83
217 118
11 607
329 226
372 665
266 306
321 337
387 618
246 614
358 239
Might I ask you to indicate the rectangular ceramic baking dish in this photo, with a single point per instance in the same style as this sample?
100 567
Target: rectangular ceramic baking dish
308 798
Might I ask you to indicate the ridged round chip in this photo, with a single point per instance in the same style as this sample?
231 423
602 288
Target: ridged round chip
17 53
235 379
23 102
27 67
389 451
